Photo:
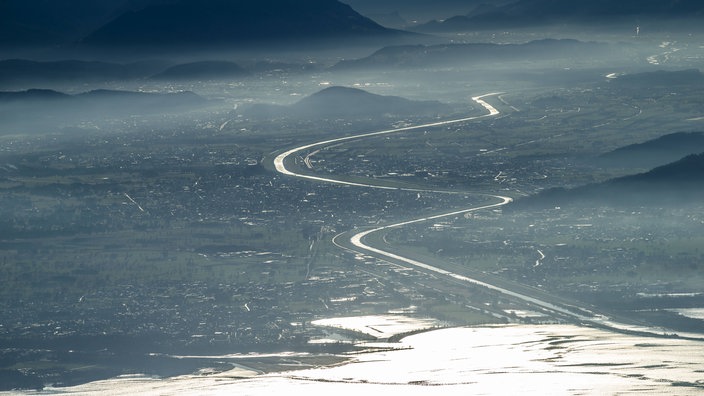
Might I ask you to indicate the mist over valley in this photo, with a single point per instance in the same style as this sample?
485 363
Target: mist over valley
240 197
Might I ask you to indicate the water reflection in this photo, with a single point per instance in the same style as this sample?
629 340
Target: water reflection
538 360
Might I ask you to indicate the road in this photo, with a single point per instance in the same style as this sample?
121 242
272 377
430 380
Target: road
357 243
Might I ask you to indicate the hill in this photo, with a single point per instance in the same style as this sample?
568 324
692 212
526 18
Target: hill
137 102
687 173
206 70
18 72
32 95
660 78
49 109
420 56
656 152
213 23
342 102
680 182
541 12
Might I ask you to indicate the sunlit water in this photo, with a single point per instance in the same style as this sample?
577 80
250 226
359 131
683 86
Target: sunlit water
695 313
537 360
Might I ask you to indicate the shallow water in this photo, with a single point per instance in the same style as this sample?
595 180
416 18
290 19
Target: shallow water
538 360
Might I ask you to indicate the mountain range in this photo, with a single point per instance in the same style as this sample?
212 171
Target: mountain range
344 102
215 23
98 98
50 109
19 72
204 70
182 23
541 12
419 56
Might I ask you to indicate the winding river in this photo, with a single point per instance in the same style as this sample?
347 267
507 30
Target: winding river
356 242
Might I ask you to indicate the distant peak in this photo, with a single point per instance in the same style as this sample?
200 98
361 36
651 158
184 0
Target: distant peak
337 89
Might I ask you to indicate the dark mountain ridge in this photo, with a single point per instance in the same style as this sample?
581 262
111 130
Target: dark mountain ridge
53 22
215 23
689 171
680 182
656 152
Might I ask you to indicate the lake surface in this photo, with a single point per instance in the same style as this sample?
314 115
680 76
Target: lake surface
520 359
